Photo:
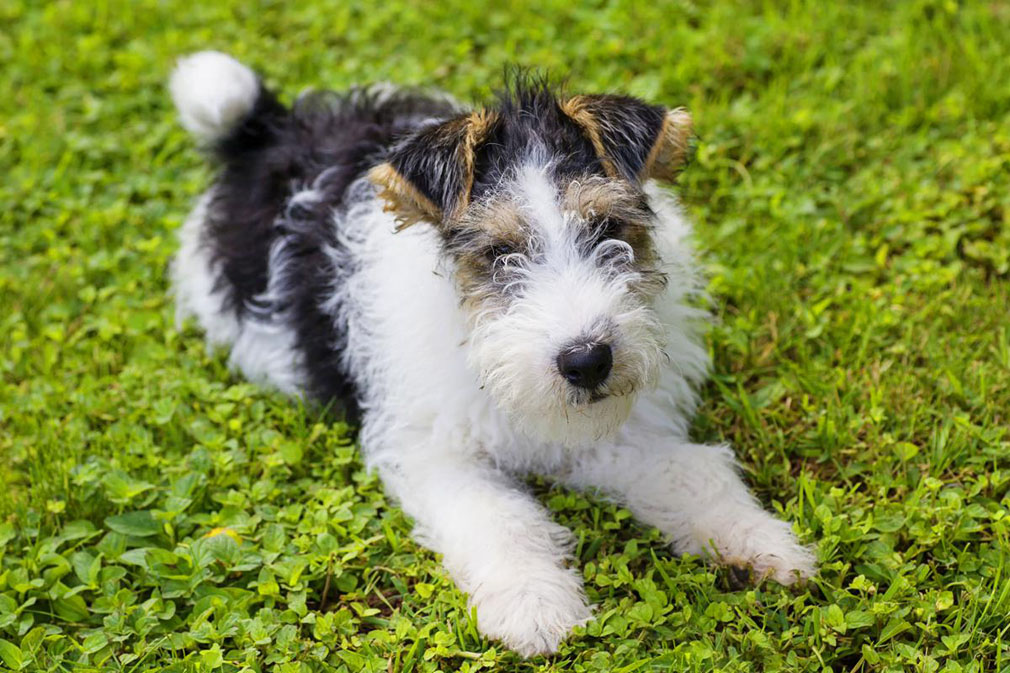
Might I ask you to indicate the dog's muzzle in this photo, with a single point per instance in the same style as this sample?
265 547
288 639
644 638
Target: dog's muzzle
586 365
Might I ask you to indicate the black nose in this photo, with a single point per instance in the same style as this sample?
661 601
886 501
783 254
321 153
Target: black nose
586 366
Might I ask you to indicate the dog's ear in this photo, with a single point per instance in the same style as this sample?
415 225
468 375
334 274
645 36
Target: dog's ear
633 139
428 177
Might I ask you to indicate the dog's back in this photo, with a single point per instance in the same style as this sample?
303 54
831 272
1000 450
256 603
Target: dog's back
283 172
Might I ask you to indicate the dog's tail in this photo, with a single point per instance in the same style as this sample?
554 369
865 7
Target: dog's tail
222 102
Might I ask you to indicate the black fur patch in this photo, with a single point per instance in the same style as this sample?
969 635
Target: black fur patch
430 162
628 130
530 119
325 142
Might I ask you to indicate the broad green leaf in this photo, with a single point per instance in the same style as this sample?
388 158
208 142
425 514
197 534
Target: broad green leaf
835 618
122 488
11 655
139 524
212 658
71 608
95 642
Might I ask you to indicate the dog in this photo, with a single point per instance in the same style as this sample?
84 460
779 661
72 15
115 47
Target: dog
488 292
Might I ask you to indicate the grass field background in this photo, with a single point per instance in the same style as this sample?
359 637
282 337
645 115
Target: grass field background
851 192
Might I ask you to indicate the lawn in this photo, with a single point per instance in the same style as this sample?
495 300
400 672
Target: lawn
851 191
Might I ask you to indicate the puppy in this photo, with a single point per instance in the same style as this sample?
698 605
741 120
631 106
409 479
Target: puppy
488 292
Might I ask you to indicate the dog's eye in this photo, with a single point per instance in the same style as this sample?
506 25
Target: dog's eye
496 251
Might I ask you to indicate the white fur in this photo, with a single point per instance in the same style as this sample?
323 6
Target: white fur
445 448
457 409
693 493
566 298
212 92
261 348
193 281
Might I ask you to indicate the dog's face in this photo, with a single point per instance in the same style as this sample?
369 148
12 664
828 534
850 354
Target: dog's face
539 205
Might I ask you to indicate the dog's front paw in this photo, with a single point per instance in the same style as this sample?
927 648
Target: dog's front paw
787 562
761 543
531 612
786 566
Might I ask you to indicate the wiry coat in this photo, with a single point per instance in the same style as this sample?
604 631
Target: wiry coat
435 269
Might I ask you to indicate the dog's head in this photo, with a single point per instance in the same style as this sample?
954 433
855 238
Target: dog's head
539 204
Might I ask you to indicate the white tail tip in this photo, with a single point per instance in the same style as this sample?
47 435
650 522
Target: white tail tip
212 92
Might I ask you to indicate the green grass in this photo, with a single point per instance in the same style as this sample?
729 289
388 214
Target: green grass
851 193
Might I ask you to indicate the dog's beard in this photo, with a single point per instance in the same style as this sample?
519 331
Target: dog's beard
514 349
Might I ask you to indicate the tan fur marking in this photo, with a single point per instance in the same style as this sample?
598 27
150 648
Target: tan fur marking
409 204
577 108
402 197
669 152
596 197
478 126
500 218
487 223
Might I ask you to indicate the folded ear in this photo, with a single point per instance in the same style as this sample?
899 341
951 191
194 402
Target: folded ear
429 175
633 139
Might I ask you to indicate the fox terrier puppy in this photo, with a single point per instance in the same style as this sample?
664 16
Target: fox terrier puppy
489 293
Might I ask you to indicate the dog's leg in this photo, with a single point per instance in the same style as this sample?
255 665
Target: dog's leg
500 547
694 494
